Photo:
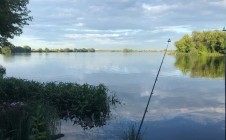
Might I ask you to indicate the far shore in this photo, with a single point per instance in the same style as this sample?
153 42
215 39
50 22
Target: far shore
135 51
171 51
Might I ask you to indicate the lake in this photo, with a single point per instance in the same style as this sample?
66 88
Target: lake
188 101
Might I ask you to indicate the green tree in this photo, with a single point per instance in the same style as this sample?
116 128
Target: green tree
202 42
6 50
40 50
46 50
13 16
185 44
27 49
127 50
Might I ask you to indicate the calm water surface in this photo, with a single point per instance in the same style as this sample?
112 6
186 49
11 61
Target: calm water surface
188 102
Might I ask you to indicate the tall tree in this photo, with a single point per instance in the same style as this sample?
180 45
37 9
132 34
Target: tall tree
13 16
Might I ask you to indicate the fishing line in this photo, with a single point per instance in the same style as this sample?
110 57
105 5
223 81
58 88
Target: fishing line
141 123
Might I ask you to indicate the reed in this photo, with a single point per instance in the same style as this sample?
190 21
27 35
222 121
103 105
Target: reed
130 134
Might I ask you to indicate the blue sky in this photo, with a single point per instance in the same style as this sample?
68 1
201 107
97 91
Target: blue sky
118 24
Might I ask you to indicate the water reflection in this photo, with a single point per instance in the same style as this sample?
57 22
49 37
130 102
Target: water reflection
201 66
12 57
180 105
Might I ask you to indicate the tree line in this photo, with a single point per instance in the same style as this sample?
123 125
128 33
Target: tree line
26 49
202 42
15 49
64 50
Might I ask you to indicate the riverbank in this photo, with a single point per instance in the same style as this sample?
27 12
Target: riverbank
129 50
203 54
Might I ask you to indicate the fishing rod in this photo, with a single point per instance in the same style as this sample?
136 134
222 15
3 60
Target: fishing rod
145 111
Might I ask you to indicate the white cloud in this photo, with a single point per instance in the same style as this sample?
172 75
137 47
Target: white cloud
151 40
221 3
79 24
59 12
176 29
91 36
157 8
40 43
105 31
110 42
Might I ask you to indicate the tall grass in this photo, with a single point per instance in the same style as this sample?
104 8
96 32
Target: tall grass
130 134
27 122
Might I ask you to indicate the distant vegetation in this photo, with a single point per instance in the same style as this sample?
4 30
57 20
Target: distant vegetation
202 42
201 66
14 49
64 50
131 50
127 50
26 49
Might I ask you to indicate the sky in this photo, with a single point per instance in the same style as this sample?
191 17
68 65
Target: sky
118 24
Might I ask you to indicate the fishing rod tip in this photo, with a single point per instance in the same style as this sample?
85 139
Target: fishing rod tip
224 29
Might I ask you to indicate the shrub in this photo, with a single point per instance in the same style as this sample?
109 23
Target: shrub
86 105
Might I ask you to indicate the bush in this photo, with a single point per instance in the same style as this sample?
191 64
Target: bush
86 105
39 105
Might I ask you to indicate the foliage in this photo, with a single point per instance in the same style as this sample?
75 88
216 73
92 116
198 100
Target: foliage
127 50
202 42
43 122
131 134
32 121
64 50
38 106
13 127
85 104
6 50
25 49
13 16
201 66
15 49
2 71
46 50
